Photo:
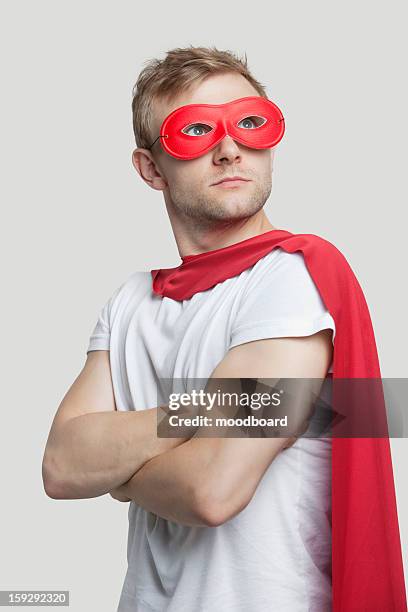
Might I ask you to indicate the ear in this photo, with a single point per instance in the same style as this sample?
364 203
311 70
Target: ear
146 166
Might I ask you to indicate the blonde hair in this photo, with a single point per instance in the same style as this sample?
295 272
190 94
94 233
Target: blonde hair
181 68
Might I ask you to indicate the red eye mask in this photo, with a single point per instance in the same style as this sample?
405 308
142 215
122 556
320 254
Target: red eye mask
192 130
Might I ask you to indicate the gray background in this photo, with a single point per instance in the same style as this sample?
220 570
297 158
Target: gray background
78 221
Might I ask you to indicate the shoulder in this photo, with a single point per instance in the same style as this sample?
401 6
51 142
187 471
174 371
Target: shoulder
299 272
140 279
282 281
280 299
136 285
138 282
314 247
300 253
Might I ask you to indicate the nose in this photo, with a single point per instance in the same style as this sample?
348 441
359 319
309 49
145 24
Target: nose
227 151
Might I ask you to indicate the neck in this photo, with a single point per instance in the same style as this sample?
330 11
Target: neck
199 240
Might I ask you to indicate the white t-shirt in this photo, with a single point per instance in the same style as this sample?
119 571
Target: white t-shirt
276 553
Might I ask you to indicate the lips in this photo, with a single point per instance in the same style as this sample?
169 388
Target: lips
231 178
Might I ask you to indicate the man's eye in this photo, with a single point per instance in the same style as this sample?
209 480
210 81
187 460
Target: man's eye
197 129
249 123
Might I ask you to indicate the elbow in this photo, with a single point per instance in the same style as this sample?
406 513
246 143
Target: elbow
53 490
214 517
54 485
208 515
215 510
50 483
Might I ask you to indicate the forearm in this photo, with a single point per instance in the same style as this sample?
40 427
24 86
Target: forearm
165 486
204 481
95 452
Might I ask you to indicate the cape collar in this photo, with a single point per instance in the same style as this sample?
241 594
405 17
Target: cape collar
205 270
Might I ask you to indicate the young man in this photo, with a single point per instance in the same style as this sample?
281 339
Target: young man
214 523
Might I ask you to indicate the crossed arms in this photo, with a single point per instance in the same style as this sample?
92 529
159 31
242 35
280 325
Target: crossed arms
93 449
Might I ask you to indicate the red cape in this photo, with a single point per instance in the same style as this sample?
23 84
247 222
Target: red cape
367 569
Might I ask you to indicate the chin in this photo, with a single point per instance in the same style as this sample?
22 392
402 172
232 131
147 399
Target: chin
237 207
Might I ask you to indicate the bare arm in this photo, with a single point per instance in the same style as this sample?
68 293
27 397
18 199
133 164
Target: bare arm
205 481
92 447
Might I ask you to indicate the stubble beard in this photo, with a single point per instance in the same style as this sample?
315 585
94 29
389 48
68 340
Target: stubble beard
204 211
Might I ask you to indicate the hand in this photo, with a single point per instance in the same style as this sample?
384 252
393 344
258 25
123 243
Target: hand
119 494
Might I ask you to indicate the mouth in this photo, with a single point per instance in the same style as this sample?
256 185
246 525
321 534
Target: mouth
232 181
